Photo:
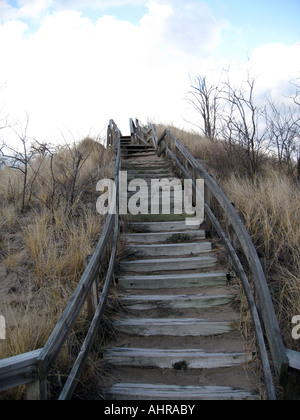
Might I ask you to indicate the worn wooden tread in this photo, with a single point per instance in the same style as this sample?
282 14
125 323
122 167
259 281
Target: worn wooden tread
200 301
178 359
138 146
160 173
170 264
158 237
154 200
130 391
176 226
174 326
173 281
157 175
146 164
141 153
158 250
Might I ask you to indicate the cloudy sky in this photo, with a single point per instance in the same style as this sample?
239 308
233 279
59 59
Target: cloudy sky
71 65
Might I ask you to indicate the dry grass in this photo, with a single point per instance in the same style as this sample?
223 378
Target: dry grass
43 250
270 208
269 205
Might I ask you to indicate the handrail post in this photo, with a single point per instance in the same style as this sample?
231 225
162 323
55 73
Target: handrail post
266 308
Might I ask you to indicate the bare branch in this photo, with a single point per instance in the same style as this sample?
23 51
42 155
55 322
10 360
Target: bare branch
205 100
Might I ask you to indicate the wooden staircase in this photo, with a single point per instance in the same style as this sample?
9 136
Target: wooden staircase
179 336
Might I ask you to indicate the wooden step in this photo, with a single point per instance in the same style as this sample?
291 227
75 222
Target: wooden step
163 179
158 237
163 226
173 327
149 176
133 150
161 250
153 218
199 301
156 165
139 146
173 358
139 154
154 198
130 391
173 281
170 264
149 172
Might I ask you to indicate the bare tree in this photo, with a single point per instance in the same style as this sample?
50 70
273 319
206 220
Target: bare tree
43 153
245 122
3 125
284 132
296 96
204 98
20 159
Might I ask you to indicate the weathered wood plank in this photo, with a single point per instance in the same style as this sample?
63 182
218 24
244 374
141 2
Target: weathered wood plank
163 226
158 237
159 250
174 327
18 370
169 358
200 301
170 264
175 281
173 392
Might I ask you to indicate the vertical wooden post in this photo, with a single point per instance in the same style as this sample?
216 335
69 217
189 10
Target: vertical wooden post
92 298
292 388
209 225
92 301
33 392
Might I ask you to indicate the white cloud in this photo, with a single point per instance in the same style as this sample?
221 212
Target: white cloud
193 28
95 4
33 8
25 9
275 64
76 74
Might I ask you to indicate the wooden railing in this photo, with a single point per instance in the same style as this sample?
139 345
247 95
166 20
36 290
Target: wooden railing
32 369
284 361
145 135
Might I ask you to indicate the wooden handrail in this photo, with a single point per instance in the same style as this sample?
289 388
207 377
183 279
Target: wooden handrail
147 136
32 368
269 383
75 374
19 370
62 330
170 145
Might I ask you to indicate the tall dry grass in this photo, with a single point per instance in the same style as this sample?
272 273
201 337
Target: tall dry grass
270 209
43 250
269 205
